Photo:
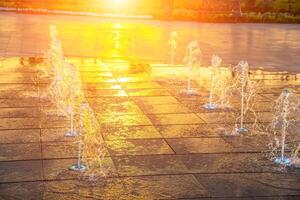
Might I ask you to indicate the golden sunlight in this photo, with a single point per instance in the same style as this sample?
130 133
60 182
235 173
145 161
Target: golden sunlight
119 3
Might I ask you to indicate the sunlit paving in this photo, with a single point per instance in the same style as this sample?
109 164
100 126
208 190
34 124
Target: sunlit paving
137 99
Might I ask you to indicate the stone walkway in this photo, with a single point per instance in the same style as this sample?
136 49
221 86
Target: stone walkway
160 145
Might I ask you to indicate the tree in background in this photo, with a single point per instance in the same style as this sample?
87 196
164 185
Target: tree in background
250 5
290 6
168 8
264 5
237 8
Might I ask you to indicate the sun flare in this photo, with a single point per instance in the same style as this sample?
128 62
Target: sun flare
118 1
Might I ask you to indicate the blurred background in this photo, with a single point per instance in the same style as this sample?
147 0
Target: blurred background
192 10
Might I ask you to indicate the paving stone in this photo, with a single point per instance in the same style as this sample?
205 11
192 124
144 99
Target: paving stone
96 74
181 131
49 195
14 65
198 107
125 108
271 96
98 80
91 67
156 100
164 109
19 136
255 198
154 187
9 152
60 150
228 163
100 101
81 190
134 79
105 93
260 98
17 171
263 106
217 117
199 145
149 165
264 117
247 185
58 169
19 123
141 85
257 143
129 132
124 120
101 86
27 190
147 92
172 119
138 147
55 135
17 78
54 122
18 103
67 149
18 112
19 94
170 187
17 87
188 99
49 109
73 189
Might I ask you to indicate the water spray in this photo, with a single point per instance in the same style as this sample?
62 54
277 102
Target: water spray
192 59
79 166
215 63
244 69
173 44
285 99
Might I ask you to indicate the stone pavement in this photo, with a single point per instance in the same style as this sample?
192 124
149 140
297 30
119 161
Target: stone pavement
160 145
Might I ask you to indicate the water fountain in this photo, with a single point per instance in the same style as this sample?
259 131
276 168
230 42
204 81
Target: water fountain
192 59
215 63
65 89
75 94
244 70
54 56
91 148
224 89
286 109
79 166
173 44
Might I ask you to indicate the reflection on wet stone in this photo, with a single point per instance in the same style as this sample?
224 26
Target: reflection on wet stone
157 143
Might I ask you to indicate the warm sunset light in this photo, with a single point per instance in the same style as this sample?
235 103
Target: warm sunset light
118 1
117 6
149 99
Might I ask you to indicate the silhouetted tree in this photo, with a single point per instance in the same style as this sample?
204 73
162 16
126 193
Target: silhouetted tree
250 5
168 7
236 8
265 5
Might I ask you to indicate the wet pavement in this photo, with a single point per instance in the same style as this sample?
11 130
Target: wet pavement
159 144
272 46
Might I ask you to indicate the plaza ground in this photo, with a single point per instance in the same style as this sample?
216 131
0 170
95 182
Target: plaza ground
160 144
